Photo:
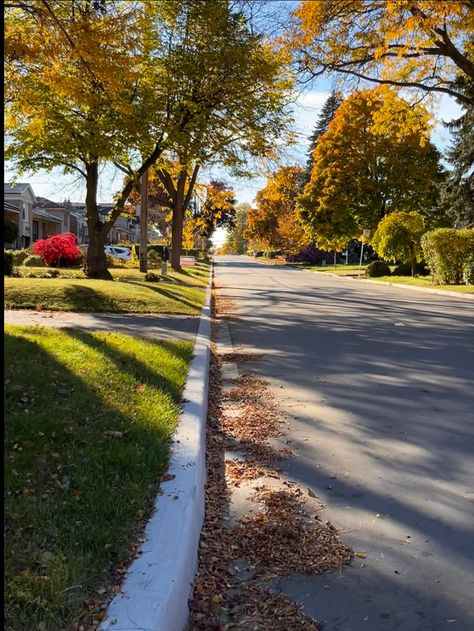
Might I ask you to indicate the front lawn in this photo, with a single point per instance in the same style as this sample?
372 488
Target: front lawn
196 275
425 281
60 294
89 418
340 269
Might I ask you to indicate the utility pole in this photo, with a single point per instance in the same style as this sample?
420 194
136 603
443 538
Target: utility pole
144 222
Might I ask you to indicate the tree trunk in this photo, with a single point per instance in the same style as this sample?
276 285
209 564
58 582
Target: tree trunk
413 261
96 261
176 237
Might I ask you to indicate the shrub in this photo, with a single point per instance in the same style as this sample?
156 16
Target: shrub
33 260
111 261
446 252
152 278
60 249
259 253
468 272
377 268
10 231
405 270
7 263
19 256
398 237
154 259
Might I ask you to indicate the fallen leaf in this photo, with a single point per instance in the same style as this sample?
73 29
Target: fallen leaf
166 477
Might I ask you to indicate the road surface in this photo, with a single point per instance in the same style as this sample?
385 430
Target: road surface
378 385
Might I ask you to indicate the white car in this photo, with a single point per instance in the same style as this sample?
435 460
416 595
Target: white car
118 252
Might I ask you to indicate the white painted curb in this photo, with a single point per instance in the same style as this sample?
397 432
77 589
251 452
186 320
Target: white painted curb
159 582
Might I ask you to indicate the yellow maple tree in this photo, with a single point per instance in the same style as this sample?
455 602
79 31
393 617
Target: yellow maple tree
405 43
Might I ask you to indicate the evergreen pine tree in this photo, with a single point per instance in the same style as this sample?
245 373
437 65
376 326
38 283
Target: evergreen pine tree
457 193
325 117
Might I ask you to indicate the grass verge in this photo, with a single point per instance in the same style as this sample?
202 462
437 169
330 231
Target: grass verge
88 422
197 275
425 282
87 295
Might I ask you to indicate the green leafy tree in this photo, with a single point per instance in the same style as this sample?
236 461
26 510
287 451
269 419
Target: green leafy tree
85 86
179 81
328 112
235 242
398 238
239 85
457 193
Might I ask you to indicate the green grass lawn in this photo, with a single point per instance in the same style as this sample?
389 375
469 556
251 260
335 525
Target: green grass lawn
425 281
421 281
89 418
340 269
197 275
64 294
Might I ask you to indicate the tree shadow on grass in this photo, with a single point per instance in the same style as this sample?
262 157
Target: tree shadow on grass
170 295
144 374
73 490
84 298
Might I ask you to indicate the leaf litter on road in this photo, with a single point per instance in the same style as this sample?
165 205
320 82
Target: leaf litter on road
231 591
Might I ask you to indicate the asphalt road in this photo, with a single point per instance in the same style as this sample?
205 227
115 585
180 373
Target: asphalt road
378 386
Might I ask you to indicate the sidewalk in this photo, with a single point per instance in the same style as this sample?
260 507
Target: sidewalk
156 326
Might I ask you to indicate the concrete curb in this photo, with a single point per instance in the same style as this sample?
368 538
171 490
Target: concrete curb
159 582
427 290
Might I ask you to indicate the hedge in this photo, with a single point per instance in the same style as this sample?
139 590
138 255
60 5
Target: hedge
377 268
447 251
7 263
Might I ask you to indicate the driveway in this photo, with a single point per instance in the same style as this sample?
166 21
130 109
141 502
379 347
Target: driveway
377 384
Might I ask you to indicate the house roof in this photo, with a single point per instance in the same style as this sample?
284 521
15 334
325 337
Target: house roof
42 214
11 207
42 202
15 188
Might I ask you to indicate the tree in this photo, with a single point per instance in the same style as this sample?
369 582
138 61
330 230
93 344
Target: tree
90 83
398 237
240 88
235 242
364 170
328 112
217 210
417 44
457 193
274 223
83 88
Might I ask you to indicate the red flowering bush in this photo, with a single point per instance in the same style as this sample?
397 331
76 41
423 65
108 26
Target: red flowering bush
60 249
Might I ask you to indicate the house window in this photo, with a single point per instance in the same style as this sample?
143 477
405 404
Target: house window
35 231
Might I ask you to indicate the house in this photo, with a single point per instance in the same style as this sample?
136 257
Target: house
33 223
39 218
72 219
125 228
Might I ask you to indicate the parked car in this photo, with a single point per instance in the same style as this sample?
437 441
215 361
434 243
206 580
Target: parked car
118 252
